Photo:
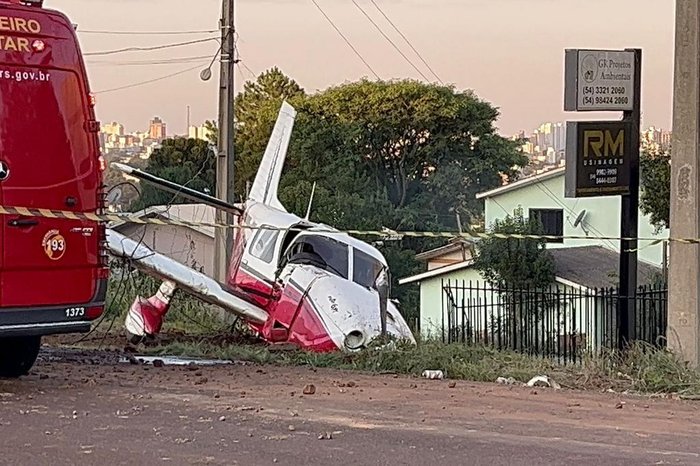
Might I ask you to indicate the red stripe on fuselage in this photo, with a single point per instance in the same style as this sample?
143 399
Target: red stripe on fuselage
293 310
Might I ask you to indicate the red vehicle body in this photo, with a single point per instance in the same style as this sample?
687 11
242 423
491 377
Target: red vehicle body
53 271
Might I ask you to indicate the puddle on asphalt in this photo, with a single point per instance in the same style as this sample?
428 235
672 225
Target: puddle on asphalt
177 361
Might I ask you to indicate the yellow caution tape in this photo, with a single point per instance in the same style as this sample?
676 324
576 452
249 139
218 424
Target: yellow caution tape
130 218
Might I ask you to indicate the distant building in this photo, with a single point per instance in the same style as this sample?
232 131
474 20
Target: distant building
113 129
157 129
199 132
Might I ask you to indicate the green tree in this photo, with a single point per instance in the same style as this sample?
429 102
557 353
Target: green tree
515 263
405 155
655 194
189 162
518 269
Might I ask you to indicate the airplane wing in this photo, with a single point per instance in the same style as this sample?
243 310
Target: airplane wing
189 280
264 189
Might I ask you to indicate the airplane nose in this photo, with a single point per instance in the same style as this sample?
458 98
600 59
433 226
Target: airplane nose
355 340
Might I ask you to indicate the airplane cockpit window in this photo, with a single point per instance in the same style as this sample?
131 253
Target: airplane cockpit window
320 251
263 245
365 269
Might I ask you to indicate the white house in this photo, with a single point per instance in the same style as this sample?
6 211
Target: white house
454 294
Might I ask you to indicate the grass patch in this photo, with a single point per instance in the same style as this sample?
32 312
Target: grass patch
197 330
643 369
187 315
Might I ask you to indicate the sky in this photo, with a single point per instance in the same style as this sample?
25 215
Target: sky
510 52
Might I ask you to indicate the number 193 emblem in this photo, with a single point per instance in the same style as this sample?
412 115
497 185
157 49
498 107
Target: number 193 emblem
54 245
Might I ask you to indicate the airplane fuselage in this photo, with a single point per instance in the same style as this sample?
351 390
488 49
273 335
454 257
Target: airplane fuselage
316 283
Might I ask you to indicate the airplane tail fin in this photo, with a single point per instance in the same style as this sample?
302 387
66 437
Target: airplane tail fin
267 180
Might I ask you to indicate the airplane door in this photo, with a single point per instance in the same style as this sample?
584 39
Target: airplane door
257 271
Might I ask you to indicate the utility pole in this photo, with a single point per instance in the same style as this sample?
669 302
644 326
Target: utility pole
684 265
223 242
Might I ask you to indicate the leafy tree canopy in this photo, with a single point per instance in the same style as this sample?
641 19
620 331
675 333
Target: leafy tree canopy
515 263
656 187
189 162
405 155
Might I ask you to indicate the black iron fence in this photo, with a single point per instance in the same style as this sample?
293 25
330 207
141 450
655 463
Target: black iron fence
561 322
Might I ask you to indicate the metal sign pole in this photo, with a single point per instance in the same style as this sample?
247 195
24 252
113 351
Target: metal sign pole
603 156
629 223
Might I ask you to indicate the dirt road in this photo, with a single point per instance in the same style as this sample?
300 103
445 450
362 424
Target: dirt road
87 408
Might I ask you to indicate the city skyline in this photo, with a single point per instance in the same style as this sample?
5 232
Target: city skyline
510 53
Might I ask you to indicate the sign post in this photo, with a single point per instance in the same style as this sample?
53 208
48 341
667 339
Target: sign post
602 158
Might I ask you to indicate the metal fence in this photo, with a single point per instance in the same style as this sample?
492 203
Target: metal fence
560 322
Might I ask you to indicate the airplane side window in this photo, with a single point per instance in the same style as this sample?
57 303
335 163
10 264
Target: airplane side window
366 269
322 252
263 245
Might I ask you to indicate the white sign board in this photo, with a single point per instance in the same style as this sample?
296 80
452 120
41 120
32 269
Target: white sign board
599 80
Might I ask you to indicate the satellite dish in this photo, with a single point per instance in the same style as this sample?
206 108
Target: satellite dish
580 217
114 196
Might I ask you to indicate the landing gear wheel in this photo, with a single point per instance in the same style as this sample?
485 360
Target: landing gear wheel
17 355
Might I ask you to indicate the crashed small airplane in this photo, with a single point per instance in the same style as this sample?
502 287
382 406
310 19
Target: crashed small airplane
291 280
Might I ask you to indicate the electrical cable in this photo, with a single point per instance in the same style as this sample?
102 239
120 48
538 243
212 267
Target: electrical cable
143 83
164 61
147 33
148 49
347 41
407 41
393 44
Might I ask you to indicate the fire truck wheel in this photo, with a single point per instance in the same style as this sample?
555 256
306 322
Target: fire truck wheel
17 355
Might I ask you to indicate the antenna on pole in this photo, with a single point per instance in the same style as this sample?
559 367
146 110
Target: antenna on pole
311 201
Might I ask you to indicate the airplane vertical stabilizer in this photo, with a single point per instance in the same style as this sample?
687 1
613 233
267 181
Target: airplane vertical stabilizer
267 180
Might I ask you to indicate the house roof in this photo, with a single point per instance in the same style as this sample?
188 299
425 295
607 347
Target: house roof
587 266
522 183
596 267
453 246
436 272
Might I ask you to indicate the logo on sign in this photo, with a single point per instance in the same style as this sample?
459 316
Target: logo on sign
604 143
589 68
54 245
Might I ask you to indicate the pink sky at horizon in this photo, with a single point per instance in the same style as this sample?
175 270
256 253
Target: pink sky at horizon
510 52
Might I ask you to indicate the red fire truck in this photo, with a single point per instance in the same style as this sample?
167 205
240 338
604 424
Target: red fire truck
53 270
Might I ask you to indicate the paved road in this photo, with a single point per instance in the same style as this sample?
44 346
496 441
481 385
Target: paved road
87 408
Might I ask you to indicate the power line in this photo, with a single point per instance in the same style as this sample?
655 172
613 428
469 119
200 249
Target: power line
143 83
147 33
240 62
146 49
389 40
165 61
347 41
396 28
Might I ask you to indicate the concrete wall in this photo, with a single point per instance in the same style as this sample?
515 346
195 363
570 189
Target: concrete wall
602 218
182 244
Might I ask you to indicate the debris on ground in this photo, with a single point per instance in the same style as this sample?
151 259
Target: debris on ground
508 381
543 381
433 374
310 389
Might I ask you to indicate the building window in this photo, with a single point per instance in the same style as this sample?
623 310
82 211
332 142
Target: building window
551 220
